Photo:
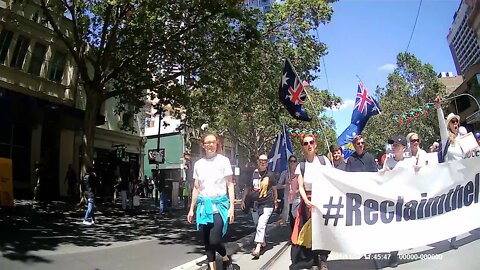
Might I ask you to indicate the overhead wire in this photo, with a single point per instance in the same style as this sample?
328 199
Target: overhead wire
414 25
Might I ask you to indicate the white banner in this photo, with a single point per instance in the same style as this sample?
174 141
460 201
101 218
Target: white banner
360 213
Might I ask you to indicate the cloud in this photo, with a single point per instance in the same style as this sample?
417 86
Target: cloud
348 103
387 67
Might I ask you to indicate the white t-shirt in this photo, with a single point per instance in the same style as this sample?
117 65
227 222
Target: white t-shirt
210 174
312 171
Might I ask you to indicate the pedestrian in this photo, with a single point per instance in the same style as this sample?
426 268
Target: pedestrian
90 185
185 194
212 176
39 172
123 188
71 181
307 171
337 158
417 152
449 148
165 188
398 160
285 184
260 195
360 160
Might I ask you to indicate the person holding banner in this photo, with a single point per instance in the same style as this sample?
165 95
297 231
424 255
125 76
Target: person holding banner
418 153
360 160
212 176
302 255
450 148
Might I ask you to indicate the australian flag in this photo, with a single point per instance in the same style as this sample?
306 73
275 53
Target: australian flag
281 151
292 93
365 107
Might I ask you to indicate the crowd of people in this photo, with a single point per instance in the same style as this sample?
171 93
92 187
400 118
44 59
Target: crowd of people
214 209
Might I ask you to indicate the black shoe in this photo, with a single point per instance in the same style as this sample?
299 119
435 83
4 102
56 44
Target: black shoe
453 245
227 265
393 261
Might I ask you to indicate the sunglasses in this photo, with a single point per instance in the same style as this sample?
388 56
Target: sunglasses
309 142
263 160
453 121
292 161
360 143
414 140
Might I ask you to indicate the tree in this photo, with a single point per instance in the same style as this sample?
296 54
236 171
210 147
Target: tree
242 100
410 86
124 47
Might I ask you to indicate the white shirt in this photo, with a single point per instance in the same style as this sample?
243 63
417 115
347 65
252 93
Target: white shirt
210 174
454 151
312 171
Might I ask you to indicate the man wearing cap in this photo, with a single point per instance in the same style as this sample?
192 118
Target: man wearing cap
398 160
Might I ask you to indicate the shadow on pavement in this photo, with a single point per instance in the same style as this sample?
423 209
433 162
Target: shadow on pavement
29 231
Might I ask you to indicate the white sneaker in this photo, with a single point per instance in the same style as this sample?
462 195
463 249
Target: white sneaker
85 222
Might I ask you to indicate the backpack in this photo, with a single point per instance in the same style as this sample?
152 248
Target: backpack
442 151
302 164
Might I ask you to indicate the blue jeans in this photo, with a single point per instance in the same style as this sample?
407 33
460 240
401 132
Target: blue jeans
164 202
90 212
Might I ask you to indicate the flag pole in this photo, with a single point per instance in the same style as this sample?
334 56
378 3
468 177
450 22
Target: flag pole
315 110
286 148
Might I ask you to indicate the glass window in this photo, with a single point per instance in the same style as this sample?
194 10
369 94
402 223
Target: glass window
57 66
38 56
5 40
20 51
21 169
5 132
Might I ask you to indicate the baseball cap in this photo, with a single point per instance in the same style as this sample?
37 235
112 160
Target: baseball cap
398 139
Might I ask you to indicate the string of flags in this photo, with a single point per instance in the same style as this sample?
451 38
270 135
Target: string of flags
412 114
294 132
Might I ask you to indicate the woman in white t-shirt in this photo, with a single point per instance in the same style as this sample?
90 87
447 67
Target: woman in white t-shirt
213 177
302 255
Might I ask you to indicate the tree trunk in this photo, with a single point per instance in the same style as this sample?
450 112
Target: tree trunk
89 124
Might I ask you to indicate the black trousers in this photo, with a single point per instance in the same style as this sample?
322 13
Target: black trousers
212 238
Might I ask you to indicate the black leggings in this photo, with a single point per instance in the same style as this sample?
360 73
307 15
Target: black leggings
212 237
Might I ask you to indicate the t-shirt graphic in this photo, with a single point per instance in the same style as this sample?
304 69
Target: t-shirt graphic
264 187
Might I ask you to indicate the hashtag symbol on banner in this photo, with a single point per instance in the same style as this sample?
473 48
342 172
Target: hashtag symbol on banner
329 207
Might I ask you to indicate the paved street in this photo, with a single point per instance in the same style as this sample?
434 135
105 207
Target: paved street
53 237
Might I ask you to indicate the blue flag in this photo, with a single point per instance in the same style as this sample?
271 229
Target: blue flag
365 107
281 151
292 93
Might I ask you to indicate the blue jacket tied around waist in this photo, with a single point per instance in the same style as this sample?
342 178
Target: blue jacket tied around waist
205 210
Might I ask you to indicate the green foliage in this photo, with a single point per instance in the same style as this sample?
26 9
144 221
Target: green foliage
241 96
410 86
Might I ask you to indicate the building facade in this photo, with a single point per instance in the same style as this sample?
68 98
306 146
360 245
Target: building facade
462 40
42 104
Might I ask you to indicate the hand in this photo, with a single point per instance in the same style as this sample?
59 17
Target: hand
417 167
309 204
243 205
190 216
438 102
231 215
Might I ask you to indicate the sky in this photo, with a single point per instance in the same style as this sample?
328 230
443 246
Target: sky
364 38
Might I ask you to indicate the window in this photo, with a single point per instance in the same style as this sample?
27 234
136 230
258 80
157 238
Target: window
57 66
19 52
37 59
5 40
